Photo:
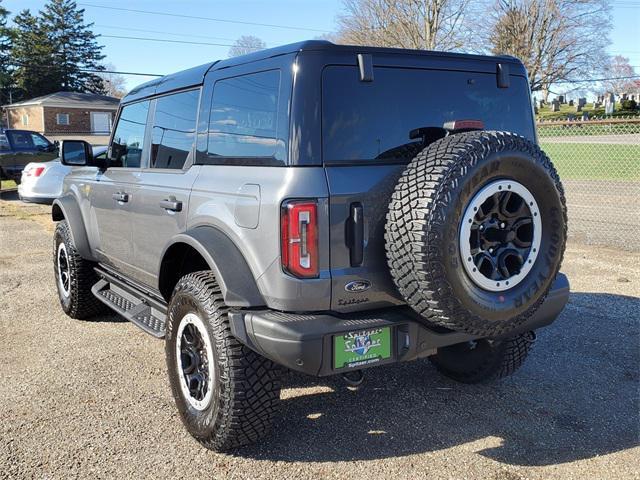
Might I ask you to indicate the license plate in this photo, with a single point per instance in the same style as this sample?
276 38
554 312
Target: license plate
361 348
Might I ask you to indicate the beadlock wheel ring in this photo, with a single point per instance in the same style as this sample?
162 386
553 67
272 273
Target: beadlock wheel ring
499 235
64 273
195 361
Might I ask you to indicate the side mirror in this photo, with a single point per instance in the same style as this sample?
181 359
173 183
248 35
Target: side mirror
76 153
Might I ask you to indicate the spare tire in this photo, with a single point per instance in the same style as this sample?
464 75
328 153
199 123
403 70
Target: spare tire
476 231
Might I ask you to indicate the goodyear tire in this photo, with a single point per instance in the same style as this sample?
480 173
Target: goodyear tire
74 277
476 231
484 360
227 395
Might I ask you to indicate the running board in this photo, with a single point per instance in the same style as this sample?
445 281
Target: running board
144 311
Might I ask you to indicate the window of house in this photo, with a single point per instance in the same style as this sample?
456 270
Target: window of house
128 139
25 120
62 118
174 129
244 118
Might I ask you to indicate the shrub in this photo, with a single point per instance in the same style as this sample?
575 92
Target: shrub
628 105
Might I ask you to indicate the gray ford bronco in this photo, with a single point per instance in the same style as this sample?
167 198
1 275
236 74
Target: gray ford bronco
319 208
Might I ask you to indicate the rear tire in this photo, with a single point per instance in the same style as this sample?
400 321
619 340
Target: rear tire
483 360
74 277
227 395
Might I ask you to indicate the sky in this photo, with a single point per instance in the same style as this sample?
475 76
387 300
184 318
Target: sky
285 21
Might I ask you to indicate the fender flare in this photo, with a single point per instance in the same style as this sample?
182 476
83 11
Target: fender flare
67 208
236 281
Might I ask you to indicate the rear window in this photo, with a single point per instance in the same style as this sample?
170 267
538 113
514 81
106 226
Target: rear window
371 121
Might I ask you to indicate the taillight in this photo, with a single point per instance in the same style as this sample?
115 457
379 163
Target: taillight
35 172
299 241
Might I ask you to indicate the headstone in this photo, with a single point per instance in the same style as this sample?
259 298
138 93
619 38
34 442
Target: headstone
585 116
624 97
555 106
609 104
582 101
561 99
578 107
541 103
597 105
571 103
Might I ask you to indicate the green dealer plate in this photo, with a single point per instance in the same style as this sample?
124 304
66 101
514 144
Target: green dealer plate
361 348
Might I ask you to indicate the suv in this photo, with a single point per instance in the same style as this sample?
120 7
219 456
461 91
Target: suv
19 147
320 208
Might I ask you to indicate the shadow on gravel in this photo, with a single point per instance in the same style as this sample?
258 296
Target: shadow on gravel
576 397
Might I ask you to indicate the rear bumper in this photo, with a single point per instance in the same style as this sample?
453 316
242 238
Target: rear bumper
304 342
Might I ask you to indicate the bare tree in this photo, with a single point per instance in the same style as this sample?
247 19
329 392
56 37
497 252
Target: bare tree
246 44
113 83
557 40
420 24
619 68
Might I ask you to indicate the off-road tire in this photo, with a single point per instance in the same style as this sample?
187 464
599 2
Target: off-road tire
79 303
483 360
246 393
424 218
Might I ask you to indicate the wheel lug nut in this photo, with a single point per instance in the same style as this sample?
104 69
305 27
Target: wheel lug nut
502 225
481 227
491 250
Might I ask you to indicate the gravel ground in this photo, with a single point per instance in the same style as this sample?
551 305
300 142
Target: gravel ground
91 399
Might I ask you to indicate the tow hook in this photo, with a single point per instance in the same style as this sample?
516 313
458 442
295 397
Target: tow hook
353 378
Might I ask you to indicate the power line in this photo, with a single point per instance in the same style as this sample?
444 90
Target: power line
88 70
167 40
221 20
166 33
597 79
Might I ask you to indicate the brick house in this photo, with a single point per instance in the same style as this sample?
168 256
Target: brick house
65 115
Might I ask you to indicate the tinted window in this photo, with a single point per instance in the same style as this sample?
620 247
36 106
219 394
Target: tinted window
128 139
21 140
364 121
4 142
39 141
244 117
174 128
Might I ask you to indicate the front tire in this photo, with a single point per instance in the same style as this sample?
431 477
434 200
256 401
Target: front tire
74 277
227 395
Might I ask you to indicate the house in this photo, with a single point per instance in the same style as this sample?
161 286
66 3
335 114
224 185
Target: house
61 115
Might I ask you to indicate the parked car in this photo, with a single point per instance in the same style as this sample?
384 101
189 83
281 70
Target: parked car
20 147
322 208
41 182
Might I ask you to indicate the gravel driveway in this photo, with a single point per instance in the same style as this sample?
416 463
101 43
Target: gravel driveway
91 399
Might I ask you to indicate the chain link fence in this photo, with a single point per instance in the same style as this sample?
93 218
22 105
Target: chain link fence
599 164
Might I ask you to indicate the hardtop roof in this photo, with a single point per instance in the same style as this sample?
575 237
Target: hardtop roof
195 76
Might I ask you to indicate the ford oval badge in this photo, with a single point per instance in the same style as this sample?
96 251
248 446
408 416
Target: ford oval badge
357 286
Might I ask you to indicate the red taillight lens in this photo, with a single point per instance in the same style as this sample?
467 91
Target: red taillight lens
299 221
35 172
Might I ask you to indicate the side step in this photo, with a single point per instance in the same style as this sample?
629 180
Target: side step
146 312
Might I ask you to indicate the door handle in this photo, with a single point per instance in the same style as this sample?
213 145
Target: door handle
121 197
171 204
355 235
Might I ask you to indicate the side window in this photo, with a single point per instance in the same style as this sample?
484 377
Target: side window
174 129
128 139
39 141
4 143
21 140
244 117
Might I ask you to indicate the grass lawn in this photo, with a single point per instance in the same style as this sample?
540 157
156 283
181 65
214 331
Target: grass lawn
5 184
596 161
550 130
545 113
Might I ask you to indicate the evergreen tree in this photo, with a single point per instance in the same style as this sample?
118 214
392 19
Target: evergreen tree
32 56
5 48
74 46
